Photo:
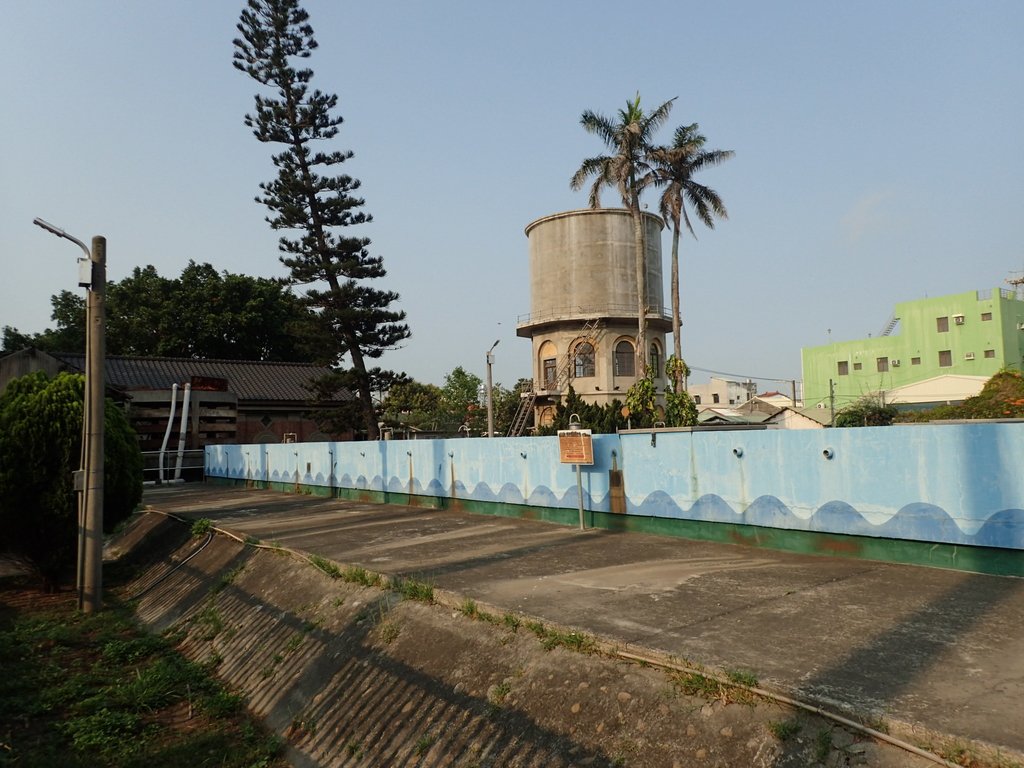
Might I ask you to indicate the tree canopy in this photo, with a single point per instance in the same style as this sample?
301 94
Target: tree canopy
40 447
674 168
629 136
355 323
201 314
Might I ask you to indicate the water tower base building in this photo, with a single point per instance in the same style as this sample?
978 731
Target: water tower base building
583 307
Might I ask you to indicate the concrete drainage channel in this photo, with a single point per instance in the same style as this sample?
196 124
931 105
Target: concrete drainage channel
355 669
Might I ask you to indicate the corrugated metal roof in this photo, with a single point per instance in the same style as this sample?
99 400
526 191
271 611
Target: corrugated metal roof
248 380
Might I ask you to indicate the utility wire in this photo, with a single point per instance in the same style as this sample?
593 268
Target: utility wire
741 375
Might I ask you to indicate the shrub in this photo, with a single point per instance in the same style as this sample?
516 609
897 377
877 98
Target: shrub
40 447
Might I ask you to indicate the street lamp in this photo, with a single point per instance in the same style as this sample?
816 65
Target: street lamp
490 391
92 275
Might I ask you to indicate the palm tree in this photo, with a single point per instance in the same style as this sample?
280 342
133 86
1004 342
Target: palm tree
673 169
628 137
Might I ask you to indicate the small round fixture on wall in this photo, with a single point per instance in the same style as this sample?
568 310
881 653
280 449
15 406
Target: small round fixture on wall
737 452
828 453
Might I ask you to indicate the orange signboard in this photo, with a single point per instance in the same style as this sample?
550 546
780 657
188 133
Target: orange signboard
575 446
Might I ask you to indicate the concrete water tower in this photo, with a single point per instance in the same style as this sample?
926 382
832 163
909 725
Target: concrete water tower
583 305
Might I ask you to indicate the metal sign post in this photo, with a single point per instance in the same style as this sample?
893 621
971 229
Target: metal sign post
576 446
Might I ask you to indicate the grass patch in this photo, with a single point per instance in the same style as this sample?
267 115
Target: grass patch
354 574
94 690
742 677
389 631
325 565
784 730
424 743
226 579
823 744
411 589
202 526
555 638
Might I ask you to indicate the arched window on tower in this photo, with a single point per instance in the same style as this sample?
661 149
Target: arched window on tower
625 359
584 360
655 359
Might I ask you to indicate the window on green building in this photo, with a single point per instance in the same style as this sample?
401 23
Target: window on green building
942 324
915 361
945 358
883 364
986 315
990 353
857 366
844 368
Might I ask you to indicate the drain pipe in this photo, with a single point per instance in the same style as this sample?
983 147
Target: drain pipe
184 428
167 433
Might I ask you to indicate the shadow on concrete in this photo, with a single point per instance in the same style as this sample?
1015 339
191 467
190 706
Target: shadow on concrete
338 698
886 666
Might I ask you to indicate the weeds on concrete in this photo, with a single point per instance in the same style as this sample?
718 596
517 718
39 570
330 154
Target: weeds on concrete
325 565
424 743
556 638
389 631
411 589
784 730
202 526
742 677
354 749
208 621
823 744
226 579
496 697
354 574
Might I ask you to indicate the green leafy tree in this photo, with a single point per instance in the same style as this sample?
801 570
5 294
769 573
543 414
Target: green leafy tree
868 411
460 401
680 410
674 169
202 314
40 447
414 404
629 136
641 399
1002 397
606 419
310 198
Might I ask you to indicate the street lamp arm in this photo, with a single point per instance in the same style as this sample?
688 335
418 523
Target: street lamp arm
61 233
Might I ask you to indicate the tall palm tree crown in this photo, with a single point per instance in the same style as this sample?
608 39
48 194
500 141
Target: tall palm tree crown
673 168
629 138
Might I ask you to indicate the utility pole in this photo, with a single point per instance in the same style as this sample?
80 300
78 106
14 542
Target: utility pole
92 276
831 401
92 584
490 391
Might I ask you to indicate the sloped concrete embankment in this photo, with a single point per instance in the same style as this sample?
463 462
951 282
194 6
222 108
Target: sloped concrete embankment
357 676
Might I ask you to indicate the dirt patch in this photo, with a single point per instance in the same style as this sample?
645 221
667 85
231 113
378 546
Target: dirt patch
359 676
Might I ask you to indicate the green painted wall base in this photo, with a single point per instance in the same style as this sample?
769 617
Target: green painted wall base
987 560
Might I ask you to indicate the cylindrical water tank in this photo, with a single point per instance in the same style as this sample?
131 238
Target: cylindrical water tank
583 265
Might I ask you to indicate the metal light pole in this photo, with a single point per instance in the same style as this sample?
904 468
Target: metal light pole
490 391
92 274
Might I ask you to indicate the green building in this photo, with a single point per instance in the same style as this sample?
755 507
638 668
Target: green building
932 351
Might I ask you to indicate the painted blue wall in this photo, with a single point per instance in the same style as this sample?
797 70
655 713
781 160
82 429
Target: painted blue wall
955 484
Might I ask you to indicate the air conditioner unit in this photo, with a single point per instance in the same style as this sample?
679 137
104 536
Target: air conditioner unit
958 319
820 406
1020 326
968 356
895 363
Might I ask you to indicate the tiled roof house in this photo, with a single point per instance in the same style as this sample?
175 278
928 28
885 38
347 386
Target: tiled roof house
232 401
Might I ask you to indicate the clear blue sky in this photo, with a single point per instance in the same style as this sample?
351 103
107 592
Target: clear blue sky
878 154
